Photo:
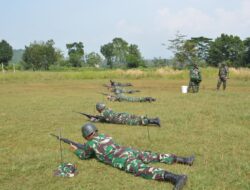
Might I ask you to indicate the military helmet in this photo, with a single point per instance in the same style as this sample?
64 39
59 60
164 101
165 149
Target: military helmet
100 106
88 129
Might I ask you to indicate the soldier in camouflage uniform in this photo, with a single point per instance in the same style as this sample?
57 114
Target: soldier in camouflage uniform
195 79
223 76
122 90
121 97
113 83
103 148
124 118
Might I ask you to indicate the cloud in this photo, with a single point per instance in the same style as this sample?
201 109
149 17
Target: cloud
196 22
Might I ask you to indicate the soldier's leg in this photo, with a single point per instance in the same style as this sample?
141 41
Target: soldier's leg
147 157
219 83
198 87
224 84
138 168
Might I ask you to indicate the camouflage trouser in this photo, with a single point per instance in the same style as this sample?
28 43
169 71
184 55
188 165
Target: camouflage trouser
134 161
193 86
135 120
222 80
133 99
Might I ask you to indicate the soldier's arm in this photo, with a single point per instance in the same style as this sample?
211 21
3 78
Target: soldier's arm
85 153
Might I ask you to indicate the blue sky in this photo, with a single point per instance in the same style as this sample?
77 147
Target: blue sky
147 23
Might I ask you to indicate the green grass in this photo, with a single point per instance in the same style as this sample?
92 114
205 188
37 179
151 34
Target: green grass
212 125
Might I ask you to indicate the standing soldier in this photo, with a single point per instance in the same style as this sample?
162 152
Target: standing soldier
103 148
195 79
223 76
124 118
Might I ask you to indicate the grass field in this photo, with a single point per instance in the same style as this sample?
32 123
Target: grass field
215 126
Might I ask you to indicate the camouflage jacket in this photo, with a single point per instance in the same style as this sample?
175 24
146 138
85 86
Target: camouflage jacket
123 118
121 97
122 90
223 72
195 75
105 150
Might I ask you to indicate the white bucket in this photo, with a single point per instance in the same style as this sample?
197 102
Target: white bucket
184 89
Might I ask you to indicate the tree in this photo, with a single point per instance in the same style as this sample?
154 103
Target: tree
39 56
107 52
202 46
115 52
120 50
6 53
76 53
93 59
246 53
227 48
133 57
184 50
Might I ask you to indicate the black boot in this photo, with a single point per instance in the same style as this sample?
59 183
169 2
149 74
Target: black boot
155 121
185 160
177 180
149 99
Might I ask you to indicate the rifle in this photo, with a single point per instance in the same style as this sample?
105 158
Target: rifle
105 94
108 86
67 141
96 117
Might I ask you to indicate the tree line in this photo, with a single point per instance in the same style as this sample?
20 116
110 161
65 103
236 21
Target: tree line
120 54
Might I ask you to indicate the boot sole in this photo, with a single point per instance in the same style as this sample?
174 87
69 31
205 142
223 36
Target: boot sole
181 183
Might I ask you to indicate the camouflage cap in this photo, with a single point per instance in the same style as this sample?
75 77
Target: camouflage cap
66 170
100 106
88 129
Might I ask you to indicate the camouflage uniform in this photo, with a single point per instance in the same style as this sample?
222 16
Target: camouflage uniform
122 90
121 97
113 83
124 118
223 75
130 160
195 79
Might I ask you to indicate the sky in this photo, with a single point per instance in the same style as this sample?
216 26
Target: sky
146 23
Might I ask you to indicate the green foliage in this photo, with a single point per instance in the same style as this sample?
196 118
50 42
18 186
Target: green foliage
39 56
93 59
184 50
6 52
17 55
246 53
133 57
107 52
226 48
76 53
120 54
202 46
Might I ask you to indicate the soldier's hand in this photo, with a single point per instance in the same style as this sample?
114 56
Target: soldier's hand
73 147
93 119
